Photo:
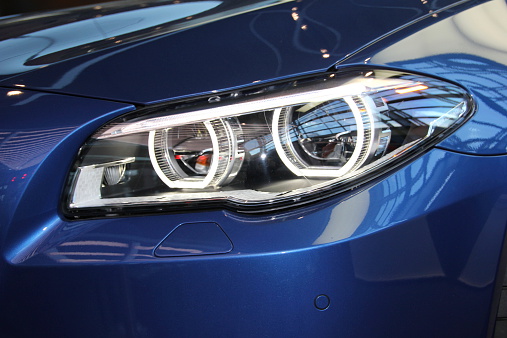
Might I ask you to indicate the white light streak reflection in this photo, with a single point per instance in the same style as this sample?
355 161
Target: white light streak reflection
21 150
100 243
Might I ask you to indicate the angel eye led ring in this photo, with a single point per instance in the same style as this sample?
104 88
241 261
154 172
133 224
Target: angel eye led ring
266 148
226 154
364 127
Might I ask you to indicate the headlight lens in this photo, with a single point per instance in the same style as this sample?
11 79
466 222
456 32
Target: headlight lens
264 148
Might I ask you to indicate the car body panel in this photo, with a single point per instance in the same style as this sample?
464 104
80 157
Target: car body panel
269 43
414 252
468 48
30 138
416 255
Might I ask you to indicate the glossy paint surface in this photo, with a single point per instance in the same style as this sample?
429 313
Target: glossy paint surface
30 139
33 40
421 244
474 56
413 253
277 41
194 239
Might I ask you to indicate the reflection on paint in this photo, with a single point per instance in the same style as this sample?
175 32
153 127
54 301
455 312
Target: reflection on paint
39 45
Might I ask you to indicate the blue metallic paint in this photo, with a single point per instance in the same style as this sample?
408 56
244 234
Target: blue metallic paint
268 44
192 239
457 54
430 257
37 152
418 256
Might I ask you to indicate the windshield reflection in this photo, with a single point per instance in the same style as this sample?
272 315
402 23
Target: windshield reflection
31 41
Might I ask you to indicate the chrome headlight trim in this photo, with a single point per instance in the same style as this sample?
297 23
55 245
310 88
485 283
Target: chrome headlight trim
369 142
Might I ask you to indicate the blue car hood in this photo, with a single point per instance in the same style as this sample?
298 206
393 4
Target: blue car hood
151 51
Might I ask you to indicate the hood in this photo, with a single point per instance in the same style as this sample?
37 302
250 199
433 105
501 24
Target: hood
151 51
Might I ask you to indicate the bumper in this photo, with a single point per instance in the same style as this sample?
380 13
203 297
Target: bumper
416 253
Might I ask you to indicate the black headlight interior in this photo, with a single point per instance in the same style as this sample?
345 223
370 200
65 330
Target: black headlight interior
264 148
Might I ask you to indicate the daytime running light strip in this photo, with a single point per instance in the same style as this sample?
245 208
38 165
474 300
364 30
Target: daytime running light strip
235 109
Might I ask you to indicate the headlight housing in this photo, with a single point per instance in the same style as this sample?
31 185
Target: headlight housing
264 148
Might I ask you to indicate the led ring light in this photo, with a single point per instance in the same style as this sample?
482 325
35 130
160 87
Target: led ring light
225 161
290 157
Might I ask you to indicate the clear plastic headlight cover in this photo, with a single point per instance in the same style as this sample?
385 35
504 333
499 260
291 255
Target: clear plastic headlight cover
264 148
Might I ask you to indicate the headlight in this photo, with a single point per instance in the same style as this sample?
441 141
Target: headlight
264 148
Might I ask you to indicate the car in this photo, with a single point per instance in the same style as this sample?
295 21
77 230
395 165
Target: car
254 168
